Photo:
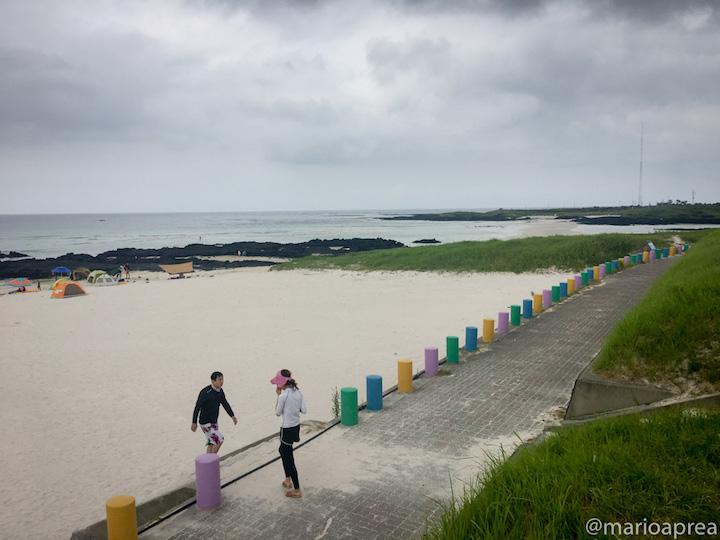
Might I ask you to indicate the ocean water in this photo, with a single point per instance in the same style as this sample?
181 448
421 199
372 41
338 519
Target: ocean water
42 236
53 235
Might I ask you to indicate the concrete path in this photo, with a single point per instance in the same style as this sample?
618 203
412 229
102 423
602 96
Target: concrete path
386 476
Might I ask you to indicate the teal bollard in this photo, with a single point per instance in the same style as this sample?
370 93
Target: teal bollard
515 315
453 349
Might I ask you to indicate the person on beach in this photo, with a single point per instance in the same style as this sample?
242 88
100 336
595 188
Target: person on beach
290 403
208 407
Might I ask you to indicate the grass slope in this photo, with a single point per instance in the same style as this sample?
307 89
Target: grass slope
625 470
572 253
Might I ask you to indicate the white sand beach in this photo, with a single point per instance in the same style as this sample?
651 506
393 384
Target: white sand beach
98 390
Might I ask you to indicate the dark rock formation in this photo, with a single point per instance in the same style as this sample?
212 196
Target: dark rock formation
427 241
149 259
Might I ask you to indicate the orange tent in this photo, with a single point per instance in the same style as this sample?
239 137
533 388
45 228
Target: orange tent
67 289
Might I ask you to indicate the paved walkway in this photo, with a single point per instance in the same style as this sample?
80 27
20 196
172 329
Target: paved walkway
384 477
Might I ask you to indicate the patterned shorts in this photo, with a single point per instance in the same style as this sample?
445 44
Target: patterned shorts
213 435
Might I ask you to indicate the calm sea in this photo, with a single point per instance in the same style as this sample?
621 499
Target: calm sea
43 236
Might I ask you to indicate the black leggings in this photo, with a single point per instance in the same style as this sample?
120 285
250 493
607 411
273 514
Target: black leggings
288 436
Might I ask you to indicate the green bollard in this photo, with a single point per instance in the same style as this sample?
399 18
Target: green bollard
348 406
555 293
453 349
515 315
584 277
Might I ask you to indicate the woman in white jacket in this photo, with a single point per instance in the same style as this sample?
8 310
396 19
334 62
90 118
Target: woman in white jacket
290 403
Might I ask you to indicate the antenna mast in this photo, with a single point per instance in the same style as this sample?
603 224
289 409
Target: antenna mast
642 130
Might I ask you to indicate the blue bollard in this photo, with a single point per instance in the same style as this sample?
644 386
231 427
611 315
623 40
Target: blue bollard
471 338
563 289
374 393
527 309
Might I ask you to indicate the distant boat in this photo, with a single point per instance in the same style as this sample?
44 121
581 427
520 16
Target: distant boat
101 220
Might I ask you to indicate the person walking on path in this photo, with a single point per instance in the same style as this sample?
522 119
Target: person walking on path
290 403
208 407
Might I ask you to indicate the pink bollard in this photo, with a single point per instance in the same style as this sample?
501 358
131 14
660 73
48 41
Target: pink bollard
431 361
680 249
578 283
207 481
547 298
503 320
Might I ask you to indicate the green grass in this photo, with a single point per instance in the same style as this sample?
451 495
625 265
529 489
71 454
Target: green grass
627 469
573 253
672 337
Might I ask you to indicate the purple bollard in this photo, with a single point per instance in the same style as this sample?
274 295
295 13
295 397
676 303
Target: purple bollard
431 361
652 254
626 260
578 283
602 271
503 320
547 298
207 481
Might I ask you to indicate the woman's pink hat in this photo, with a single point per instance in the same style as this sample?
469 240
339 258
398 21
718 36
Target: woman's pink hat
280 380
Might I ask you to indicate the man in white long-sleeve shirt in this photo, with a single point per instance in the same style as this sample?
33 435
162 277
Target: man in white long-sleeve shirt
290 403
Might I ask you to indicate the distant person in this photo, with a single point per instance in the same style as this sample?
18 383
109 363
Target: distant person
38 284
127 272
208 407
290 403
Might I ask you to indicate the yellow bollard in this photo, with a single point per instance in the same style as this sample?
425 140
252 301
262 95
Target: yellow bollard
405 383
121 518
672 251
646 256
537 303
489 329
571 286
596 272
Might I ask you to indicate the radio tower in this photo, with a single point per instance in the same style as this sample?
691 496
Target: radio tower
642 129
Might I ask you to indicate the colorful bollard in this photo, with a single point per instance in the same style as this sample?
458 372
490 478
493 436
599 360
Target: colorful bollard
488 330
431 361
515 315
547 298
627 260
578 282
596 272
563 289
374 392
503 318
405 380
555 293
571 284
665 253
584 278
207 481
121 518
453 349
633 259
613 267
653 254
603 271
349 406
537 303
673 251
471 338
527 309
645 257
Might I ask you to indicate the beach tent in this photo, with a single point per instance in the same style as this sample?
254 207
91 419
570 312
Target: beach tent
61 271
20 282
67 289
80 273
92 276
104 280
184 268
58 282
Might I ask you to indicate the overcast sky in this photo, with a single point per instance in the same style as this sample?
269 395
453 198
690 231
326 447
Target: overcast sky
137 106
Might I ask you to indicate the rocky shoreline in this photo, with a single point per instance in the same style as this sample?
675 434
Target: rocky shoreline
149 259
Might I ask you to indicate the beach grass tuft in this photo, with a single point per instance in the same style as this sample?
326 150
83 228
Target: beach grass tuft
572 253
671 336
630 469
